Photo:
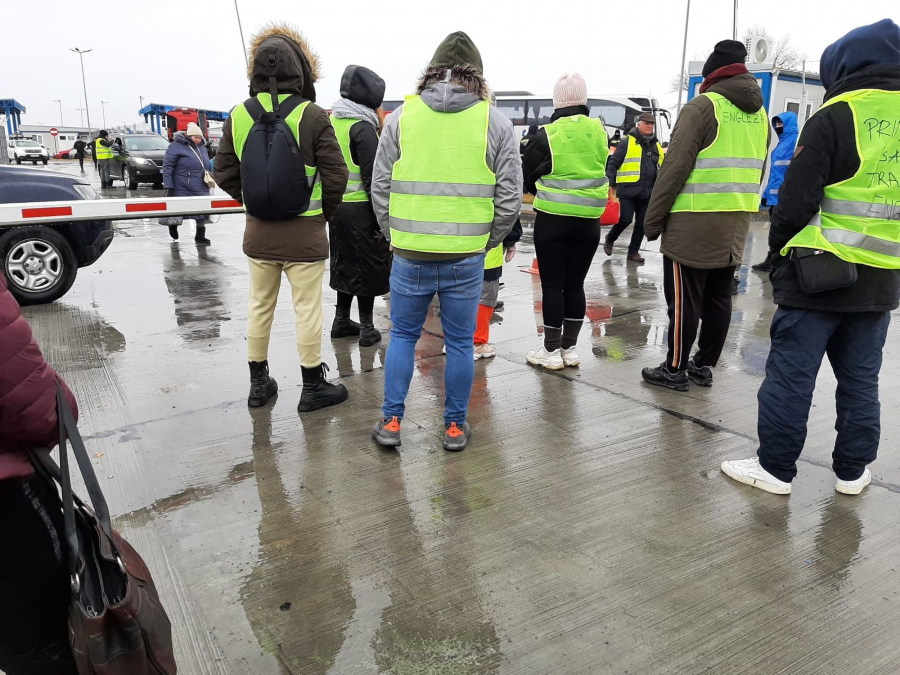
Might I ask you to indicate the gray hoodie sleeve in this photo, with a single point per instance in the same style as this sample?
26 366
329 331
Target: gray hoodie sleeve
388 153
506 163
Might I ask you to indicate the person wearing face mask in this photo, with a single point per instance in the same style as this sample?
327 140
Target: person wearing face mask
785 126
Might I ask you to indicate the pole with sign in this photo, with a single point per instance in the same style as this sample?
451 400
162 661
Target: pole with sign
55 133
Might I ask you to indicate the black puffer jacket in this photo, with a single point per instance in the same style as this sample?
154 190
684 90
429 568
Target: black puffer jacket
360 255
649 167
826 154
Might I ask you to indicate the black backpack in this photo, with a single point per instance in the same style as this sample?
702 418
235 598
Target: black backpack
273 177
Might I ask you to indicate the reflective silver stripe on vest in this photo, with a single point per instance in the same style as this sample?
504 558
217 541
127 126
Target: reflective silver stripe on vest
411 187
355 176
569 199
628 173
711 188
356 186
865 242
729 163
574 184
313 180
861 209
782 162
448 229
314 205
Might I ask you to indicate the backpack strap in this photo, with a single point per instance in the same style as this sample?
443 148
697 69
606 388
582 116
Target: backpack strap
256 110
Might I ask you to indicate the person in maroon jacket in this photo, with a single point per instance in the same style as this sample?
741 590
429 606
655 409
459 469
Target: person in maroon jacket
34 589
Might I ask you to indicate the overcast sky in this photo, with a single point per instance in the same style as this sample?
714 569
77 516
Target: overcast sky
189 53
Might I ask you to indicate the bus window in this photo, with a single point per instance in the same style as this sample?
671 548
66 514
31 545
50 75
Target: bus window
540 111
391 106
613 114
514 110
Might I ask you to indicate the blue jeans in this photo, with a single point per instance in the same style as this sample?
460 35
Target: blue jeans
800 339
413 285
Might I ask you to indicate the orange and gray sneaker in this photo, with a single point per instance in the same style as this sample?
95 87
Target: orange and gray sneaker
386 432
456 437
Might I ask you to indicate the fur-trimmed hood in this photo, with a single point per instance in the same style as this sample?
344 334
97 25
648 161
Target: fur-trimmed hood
280 51
466 77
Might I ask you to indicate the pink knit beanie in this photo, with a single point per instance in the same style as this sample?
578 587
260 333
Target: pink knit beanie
570 89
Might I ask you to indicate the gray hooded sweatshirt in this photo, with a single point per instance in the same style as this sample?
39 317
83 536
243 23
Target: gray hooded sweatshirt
502 158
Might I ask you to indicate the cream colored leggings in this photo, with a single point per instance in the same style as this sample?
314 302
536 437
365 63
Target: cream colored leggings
306 289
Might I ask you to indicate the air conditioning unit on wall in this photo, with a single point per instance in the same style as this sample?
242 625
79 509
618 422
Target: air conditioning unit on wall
757 49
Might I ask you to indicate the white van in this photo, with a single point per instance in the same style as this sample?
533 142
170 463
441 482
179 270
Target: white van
26 150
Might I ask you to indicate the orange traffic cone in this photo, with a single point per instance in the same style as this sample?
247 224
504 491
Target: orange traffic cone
534 267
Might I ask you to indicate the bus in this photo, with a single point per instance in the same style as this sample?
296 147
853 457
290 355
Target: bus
619 113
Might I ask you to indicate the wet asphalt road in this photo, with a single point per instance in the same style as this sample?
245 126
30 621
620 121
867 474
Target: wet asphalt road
587 529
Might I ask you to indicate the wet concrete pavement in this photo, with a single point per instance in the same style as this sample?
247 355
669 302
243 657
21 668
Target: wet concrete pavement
587 529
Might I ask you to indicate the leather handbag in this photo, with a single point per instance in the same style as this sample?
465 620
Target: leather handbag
208 179
819 271
117 624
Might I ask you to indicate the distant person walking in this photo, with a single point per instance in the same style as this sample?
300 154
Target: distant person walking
565 169
79 146
103 156
288 196
34 580
829 204
631 171
447 185
184 167
360 254
785 126
701 205
527 138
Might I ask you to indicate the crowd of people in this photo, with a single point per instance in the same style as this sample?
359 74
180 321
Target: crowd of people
426 202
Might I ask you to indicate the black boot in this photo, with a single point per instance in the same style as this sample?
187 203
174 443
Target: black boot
262 387
173 232
319 392
343 326
200 237
368 334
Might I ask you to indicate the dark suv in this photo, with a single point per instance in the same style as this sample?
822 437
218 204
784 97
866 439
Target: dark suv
41 261
138 158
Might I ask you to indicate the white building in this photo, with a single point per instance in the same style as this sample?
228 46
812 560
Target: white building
64 141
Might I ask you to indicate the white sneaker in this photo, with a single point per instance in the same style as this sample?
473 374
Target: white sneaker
570 358
549 360
854 487
485 351
750 472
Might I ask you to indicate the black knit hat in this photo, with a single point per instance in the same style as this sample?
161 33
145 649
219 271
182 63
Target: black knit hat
457 49
726 53
362 86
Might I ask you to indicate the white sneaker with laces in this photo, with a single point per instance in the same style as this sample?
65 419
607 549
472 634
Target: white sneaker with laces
854 487
549 360
485 351
750 472
570 357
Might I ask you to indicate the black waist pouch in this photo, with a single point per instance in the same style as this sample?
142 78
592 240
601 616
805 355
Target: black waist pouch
819 270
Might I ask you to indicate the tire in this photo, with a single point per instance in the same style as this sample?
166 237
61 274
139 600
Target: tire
18 160
128 178
45 162
158 186
24 248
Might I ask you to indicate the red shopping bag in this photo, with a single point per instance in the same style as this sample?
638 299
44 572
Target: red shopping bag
610 213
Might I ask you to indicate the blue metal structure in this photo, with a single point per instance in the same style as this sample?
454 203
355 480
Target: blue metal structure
13 111
153 113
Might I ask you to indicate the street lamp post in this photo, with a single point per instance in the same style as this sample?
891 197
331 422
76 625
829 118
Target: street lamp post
734 27
61 123
687 19
87 105
241 31
103 105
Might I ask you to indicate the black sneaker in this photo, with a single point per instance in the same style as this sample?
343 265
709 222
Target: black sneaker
456 437
317 391
702 375
764 266
386 432
661 376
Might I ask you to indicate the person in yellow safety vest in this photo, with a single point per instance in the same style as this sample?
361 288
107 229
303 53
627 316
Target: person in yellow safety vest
490 291
632 171
564 169
360 255
283 66
838 209
446 186
705 194
103 156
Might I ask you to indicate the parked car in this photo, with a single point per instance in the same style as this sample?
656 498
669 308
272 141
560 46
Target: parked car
65 154
41 261
27 150
138 158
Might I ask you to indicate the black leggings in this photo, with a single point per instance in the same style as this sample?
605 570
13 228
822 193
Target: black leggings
34 633
365 303
565 247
